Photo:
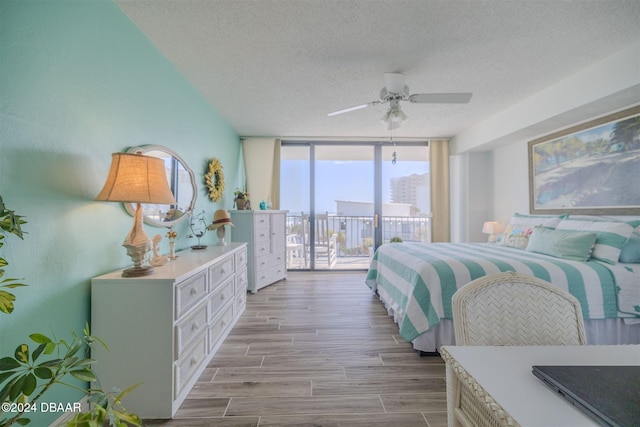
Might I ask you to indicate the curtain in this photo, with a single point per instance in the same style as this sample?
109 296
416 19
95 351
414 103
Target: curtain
440 194
262 170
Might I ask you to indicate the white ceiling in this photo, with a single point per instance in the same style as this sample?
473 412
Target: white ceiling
277 67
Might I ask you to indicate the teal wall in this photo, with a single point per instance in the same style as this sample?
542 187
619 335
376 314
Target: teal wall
79 81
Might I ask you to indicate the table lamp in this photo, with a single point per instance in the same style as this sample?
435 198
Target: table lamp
492 228
135 178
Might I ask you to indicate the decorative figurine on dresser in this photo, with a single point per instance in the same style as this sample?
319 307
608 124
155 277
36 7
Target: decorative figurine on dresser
264 231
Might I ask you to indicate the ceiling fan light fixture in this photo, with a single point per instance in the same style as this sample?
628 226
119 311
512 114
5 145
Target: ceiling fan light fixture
394 118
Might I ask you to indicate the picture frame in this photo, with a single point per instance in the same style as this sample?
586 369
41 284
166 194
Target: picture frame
592 168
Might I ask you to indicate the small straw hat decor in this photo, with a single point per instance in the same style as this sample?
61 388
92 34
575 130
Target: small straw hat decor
221 217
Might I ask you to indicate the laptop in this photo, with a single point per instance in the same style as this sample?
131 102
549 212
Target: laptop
608 394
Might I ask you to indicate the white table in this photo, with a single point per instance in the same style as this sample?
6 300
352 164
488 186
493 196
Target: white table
500 381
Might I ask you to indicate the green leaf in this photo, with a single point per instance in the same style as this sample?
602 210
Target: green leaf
16 388
40 339
22 353
83 362
6 302
68 361
36 353
4 393
12 285
84 375
53 363
23 421
5 375
29 384
8 363
43 373
49 348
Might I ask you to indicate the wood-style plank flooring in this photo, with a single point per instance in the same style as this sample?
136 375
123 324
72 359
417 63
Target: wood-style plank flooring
317 349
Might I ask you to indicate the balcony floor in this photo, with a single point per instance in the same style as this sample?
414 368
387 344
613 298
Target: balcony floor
342 263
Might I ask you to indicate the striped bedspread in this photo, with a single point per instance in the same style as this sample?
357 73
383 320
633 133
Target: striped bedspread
418 280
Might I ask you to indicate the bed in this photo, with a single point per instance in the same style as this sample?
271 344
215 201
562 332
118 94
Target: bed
416 281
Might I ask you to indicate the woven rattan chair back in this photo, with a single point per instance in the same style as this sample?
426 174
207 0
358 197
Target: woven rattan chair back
516 309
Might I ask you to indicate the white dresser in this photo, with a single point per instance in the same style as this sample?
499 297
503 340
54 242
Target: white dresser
163 329
265 235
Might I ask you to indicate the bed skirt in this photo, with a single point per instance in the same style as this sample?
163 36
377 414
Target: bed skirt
598 331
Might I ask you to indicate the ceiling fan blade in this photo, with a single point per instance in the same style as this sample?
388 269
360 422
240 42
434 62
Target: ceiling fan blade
357 107
440 98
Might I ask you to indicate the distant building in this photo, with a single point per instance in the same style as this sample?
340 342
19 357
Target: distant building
413 190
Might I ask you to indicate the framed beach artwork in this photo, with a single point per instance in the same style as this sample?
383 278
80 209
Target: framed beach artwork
592 168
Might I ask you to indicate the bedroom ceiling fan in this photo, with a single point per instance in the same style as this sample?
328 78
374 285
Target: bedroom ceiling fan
395 90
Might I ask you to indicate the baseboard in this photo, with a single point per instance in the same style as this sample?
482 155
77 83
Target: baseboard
66 416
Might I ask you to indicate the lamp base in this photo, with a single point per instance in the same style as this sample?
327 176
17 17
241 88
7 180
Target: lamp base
144 270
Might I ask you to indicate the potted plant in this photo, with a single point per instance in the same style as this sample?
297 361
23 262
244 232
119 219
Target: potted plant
241 199
32 369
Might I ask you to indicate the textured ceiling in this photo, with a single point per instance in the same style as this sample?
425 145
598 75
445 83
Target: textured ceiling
277 67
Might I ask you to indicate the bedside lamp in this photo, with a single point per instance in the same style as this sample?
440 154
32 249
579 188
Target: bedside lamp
134 178
492 228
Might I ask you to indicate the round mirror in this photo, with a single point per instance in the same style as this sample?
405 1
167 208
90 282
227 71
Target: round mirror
182 182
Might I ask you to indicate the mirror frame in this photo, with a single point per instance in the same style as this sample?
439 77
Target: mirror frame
130 208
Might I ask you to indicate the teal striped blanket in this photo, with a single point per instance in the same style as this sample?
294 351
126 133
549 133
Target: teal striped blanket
417 280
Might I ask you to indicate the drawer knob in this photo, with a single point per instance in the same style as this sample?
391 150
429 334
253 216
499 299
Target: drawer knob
222 297
193 361
194 291
194 326
223 323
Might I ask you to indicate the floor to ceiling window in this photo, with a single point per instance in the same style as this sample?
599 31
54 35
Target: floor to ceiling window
346 199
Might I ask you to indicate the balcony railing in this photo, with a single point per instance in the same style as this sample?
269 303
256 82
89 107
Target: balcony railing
354 235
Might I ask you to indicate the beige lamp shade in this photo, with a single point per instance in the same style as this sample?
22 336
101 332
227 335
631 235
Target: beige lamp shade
136 178
491 227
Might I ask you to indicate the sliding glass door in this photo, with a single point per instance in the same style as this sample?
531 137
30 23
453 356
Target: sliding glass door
345 199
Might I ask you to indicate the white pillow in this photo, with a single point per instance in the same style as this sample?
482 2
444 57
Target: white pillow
516 234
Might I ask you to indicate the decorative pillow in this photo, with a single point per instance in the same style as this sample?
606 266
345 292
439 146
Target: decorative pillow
611 236
516 234
567 244
630 252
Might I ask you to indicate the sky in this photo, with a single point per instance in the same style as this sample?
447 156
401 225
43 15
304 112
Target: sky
339 180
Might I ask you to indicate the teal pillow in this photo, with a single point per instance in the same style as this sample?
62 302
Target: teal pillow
631 250
612 235
567 244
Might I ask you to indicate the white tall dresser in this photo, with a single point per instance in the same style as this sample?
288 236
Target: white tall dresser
163 329
265 235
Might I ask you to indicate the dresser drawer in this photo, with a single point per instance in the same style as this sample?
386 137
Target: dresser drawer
239 302
223 295
262 248
269 275
241 281
262 263
219 272
188 365
241 258
188 328
261 220
219 326
190 292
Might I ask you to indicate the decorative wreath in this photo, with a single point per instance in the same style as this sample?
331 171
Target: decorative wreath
214 180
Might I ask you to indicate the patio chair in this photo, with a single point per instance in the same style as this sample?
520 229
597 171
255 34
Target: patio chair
325 244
